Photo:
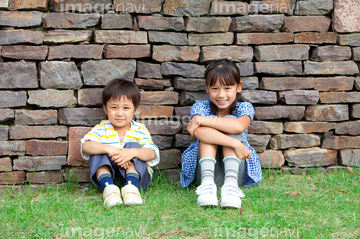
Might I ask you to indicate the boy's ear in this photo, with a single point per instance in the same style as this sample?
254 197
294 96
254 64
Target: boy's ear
104 107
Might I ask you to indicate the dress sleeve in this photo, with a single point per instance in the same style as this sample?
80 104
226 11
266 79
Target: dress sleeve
245 108
198 108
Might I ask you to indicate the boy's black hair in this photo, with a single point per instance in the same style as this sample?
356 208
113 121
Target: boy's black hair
118 88
227 73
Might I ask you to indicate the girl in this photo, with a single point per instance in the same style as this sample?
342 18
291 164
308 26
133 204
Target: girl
222 154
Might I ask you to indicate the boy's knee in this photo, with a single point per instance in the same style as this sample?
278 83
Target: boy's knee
132 145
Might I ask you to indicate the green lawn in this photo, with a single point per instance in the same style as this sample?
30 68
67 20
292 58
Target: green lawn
317 205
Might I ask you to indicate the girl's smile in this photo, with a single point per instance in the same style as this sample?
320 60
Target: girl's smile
223 95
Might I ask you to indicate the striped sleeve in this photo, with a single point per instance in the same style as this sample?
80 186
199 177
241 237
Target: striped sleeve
93 135
146 142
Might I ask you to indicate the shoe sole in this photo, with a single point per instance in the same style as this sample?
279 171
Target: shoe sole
129 203
208 204
109 205
229 204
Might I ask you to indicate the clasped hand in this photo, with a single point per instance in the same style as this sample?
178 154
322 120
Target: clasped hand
193 125
122 157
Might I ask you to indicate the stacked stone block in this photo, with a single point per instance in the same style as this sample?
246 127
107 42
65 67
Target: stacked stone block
299 61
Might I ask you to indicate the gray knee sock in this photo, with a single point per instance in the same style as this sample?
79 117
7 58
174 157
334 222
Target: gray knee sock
231 169
207 167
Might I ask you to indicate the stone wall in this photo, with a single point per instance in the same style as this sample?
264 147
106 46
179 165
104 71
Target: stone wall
298 61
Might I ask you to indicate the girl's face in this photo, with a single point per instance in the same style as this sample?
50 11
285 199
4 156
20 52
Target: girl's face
223 96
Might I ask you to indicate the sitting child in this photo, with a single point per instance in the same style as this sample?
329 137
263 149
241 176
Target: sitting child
120 149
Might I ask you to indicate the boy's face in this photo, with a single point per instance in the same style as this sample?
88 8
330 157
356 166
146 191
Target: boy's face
120 112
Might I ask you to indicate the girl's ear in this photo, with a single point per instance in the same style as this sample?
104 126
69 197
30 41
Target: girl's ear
239 87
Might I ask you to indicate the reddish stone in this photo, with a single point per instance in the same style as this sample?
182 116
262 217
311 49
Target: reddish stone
285 141
312 157
10 148
20 18
355 111
67 36
299 97
46 148
160 23
278 112
90 97
15 177
5 165
279 68
341 142
78 175
349 127
307 23
339 97
71 20
41 5
35 117
22 52
120 36
330 68
287 83
346 16
147 111
235 53
151 84
337 83
263 38
74 155
159 98
208 39
148 70
350 157
127 51
175 53
316 37
45 177
327 113
116 21
29 132
10 37
264 127
308 127
207 24
271 159
52 98
331 53
89 51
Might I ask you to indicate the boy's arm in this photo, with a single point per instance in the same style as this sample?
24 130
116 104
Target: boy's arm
212 136
93 147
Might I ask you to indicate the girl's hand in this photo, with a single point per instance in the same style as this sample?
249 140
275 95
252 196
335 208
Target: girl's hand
194 123
242 151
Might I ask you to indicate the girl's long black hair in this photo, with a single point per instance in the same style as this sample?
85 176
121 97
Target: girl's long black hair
227 73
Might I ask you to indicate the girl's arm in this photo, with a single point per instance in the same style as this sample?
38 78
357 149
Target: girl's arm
227 125
212 136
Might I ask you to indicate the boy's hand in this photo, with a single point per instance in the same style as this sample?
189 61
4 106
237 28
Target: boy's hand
193 125
122 157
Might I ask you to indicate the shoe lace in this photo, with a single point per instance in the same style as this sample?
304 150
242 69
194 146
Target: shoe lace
233 190
206 188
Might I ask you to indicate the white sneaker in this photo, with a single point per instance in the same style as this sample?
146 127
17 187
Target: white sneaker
111 196
207 195
230 196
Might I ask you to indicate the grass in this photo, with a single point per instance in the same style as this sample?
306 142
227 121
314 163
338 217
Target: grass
317 205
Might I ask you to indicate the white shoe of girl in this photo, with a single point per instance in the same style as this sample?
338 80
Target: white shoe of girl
230 196
207 195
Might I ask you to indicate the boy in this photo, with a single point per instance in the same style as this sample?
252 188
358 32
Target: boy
120 148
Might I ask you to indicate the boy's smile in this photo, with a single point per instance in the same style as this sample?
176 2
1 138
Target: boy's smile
120 112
